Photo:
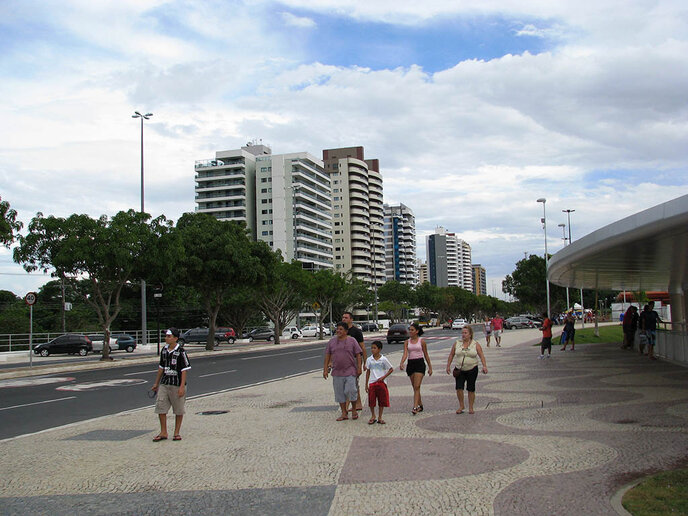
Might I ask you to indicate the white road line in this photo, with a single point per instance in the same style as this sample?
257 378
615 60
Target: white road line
37 403
309 358
221 372
278 354
139 373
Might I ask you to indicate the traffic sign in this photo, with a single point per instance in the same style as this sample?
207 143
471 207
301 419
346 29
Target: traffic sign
316 306
31 298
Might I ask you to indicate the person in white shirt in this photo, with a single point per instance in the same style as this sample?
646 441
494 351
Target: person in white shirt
377 369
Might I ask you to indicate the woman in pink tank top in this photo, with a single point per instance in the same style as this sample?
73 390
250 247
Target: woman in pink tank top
416 351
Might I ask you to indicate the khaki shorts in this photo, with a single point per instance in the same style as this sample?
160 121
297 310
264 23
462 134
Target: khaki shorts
168 396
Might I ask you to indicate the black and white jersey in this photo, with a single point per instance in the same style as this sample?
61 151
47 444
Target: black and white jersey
172 364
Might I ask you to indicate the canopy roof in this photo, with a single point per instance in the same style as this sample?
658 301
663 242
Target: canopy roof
646 251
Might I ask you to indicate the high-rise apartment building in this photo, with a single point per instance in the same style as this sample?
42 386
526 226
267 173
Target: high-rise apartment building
226 185
294 207
284 199
357 213
400 244
423 275
449 260
479 280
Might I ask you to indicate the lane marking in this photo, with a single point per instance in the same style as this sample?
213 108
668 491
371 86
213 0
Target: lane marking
310 358
99 385
30 382
278 354
38 403
141 372
221 372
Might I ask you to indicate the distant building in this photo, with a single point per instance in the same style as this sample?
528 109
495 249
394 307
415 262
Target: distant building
357 213
479 280
284 199
449 260
400 244
423 276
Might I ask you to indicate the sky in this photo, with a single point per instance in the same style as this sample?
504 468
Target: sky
474 109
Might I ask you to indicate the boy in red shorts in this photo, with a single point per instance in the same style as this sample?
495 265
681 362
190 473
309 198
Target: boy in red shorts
377 369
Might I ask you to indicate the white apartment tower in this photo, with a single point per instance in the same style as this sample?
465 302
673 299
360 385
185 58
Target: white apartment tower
284 199
400 244
357 214
449 260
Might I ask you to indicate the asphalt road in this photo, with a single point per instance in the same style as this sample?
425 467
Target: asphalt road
33 404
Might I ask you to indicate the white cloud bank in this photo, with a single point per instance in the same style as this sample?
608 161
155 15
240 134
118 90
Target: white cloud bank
597 124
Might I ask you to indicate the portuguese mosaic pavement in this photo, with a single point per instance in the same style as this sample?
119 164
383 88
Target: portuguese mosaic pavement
557 436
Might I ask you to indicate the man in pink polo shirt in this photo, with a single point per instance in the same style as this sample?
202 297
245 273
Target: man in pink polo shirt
497 326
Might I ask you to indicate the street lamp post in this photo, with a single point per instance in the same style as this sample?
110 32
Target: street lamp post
568 216
144 322
563 232
544 226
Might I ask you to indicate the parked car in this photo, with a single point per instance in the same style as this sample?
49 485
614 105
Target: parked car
518 322
260 334
446 325
397 333
197 336
291 332
118 341
458 324
226 334
69 343
369 327
314 331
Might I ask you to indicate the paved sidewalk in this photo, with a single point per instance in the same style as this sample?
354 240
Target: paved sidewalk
556 436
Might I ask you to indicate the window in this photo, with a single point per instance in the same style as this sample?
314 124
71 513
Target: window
264 233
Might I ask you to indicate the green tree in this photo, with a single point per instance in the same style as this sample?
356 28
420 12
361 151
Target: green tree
240 307
284 293
395 297
9 225
325 288
427 298
107 253
215 258
527 284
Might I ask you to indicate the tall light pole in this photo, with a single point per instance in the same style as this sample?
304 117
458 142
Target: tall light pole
568 215
563 232
144 322
544 226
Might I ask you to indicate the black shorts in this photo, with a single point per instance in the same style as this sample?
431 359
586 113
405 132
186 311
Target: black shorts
415 365
467 377
546 343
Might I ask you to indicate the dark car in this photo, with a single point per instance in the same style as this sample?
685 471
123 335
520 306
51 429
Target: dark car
196 336
397 333
369 327
260 334
118 341
70 343
518 322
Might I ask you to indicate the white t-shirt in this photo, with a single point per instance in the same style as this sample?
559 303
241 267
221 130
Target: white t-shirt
377 368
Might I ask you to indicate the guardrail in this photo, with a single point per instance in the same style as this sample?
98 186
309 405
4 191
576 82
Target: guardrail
20 341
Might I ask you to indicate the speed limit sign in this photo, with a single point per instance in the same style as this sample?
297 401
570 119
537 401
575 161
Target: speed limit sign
31 298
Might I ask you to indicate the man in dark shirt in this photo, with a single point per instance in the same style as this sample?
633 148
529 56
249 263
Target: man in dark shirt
648 325
357 334
170 384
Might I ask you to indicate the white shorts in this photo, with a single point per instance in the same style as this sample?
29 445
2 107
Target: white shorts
497 333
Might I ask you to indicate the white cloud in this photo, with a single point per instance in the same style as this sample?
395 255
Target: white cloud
469 148
298 21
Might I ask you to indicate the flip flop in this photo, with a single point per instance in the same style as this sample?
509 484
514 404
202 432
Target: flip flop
354 415
459 411
381 422
159 438
342 418
177 438
372 421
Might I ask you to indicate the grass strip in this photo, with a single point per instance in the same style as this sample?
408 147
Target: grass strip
659 495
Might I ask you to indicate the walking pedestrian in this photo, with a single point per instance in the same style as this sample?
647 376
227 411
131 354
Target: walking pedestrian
170 385
343 353
488 331
630 325
648 325
497 325
466 352
416 351
546 330
377 369
356 333
570 330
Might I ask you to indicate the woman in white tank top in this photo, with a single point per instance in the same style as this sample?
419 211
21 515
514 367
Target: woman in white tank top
466 353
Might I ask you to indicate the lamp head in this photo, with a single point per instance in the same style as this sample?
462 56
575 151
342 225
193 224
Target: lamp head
542 199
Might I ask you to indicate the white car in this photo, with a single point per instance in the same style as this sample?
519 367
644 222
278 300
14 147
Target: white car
458 324
314 331
291 332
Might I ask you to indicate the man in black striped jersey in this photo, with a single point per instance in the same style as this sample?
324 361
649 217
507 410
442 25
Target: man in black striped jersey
170 384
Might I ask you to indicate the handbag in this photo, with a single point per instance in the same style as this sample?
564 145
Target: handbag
457 370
